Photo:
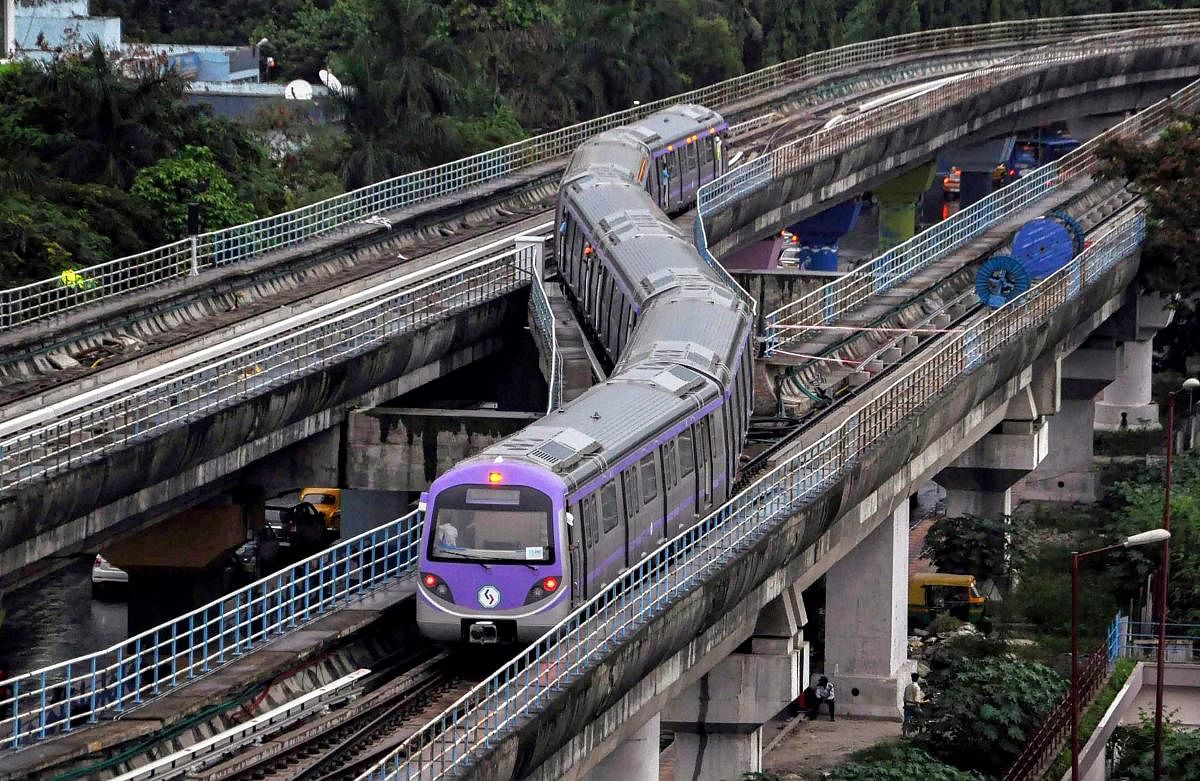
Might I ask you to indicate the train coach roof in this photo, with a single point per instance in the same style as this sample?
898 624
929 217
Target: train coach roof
692 329
674 123
600 424
617 153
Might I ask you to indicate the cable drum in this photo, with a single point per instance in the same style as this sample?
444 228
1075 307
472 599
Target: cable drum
1046 245
1000 279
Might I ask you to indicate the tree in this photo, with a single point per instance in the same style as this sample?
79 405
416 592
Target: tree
1134 747
899 762
988 548
1166 173
190 176
987 708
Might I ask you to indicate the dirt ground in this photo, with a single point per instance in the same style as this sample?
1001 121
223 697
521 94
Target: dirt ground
819 745
810 747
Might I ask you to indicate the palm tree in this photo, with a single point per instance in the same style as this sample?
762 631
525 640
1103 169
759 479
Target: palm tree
106 121
405 79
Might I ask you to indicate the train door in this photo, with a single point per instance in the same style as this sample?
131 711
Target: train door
687 476
616 307
615 540
676 166
633 505
704 468
672 496
663 174
653 497
577 549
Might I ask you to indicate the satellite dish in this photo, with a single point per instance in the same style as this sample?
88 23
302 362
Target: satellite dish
298 90
329 80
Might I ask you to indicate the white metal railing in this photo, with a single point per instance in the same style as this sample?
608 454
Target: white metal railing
543 318
56 296
64 696
45 442
476 723
796 319
205 752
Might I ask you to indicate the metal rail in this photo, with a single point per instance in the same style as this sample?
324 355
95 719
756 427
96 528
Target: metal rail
187 760
830 302
56 296
97 423
522 688
106 684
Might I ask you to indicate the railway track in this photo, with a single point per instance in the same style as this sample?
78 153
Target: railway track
957 308
344 741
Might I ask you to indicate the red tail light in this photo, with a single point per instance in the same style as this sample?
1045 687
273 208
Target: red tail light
431 581
550 584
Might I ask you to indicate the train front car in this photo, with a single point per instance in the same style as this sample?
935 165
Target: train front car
494 563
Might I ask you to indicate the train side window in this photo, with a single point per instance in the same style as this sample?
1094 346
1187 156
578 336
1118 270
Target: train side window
632 500
649 479
687 459
608 507
670 467
590 525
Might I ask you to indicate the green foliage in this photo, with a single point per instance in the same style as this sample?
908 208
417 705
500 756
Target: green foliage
898 762
190 176
1166 172
75 135
1090 718
988 548
1135 747
944 624
986 710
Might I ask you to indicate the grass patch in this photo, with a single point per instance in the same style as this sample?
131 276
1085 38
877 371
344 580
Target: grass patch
1129 443
1090 718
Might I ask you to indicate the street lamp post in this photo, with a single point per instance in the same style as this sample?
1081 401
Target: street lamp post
1190 385
1133 541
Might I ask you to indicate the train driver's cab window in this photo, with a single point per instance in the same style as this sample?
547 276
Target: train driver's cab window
486 523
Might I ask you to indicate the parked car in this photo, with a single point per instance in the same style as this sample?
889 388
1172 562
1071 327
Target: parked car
105 576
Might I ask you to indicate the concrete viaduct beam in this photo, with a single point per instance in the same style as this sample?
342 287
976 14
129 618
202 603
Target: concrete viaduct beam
688 638
1101 85
146 482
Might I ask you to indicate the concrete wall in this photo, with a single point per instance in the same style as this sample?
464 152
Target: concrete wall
1181 698
1107 84
405 449
138 484
688 637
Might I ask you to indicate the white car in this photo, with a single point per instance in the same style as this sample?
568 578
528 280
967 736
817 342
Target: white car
105 575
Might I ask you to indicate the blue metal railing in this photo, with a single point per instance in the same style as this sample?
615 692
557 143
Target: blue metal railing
64 696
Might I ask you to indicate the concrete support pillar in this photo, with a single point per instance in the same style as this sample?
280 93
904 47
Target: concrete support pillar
979 482
1068 472
8 49
898 205
866 621
636 759
718 720
819 235
1127 403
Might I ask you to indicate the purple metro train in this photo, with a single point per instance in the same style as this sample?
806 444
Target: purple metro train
533 526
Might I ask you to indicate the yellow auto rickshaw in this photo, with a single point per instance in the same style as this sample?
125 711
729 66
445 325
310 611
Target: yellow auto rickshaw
931 594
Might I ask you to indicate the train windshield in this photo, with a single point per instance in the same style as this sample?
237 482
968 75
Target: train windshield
492 524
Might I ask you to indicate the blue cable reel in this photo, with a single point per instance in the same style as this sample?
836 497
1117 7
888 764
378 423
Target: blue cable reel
1000 279
1078 234
1045 245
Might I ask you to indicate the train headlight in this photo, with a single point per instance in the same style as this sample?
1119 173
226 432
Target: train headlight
542 589
437 586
